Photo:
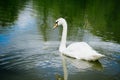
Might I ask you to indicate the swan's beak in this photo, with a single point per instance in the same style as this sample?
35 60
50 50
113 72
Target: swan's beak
55 26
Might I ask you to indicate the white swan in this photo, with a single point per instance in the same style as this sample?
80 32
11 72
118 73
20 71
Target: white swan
78 50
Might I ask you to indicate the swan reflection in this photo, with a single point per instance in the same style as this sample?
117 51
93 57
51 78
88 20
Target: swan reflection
71 66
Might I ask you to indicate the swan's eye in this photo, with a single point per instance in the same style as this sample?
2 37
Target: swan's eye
56 22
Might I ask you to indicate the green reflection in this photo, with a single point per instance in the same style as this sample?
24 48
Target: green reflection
104 18
9 10
101 17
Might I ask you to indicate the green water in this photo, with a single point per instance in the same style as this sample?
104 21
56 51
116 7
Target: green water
29 45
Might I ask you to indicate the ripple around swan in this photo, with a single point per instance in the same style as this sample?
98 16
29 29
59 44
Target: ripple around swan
47 59
29 58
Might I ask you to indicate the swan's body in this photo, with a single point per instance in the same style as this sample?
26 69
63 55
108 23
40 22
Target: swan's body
78 50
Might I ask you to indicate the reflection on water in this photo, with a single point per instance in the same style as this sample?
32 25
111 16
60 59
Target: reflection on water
76 66
9 11
29 46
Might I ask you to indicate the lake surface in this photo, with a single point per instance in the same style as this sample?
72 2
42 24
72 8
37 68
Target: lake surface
29 45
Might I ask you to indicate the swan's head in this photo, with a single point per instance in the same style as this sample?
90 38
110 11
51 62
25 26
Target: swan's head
59 21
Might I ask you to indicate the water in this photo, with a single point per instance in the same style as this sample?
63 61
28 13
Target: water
29 46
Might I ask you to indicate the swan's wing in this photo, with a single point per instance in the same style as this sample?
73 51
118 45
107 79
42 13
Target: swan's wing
79 46
78 50
82 50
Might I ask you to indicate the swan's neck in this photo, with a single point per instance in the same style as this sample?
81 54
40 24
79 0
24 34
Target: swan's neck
64 36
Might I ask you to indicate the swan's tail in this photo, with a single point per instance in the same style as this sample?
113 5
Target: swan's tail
96 57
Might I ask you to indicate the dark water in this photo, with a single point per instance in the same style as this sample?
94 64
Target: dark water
29 46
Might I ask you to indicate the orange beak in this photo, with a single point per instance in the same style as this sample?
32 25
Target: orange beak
55 26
